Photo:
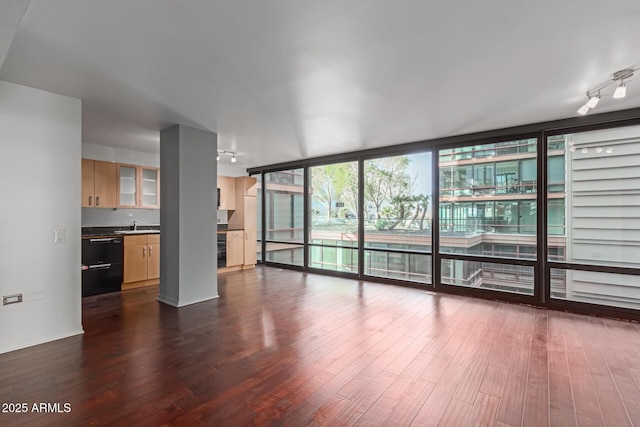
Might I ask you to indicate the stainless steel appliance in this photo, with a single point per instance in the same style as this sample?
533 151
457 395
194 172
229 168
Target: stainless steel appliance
101 265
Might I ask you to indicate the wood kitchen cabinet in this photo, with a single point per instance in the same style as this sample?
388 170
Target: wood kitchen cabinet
99 184
141 261
227 186
250 232
127 186
235 248
245 216
149 179
248 185
138 186
153 261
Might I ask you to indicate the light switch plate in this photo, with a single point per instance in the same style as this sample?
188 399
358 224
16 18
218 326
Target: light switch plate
59 236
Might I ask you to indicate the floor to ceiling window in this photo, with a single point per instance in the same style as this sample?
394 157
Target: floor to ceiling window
284 216
333 224
594 234
397 217
488 198
574 244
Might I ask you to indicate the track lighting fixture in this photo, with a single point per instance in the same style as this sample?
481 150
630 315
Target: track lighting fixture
593 101
593 95
621 91
230 153
583 110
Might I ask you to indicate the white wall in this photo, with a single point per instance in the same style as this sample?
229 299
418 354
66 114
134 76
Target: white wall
229 169
95 151
119 155
40 134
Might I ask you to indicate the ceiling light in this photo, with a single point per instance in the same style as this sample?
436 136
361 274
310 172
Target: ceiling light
593 101
621 91
618 77
598 150
583 110
231 153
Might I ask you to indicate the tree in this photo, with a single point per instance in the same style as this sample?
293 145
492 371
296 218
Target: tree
424 203
336 182
385 178
421 203
388 191
322 188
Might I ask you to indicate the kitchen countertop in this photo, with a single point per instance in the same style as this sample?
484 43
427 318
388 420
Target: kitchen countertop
230 229
95 232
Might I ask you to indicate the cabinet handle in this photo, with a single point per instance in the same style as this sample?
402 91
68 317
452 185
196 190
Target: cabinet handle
144 251
90 200
97 200
149 251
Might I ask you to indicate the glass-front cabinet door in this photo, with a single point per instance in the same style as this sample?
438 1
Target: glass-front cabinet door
149 187
138 187
127 186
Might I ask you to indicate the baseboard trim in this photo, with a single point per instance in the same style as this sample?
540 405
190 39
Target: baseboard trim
42 341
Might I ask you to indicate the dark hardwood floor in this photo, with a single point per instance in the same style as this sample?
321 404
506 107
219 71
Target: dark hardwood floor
285 348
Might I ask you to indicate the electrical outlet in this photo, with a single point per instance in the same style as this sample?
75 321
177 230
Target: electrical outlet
11 299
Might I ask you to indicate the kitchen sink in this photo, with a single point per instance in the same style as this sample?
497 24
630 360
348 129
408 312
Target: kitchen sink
137 231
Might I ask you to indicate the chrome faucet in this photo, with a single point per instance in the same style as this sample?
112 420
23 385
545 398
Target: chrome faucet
135 225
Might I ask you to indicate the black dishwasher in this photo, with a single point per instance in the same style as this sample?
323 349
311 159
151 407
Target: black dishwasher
101 265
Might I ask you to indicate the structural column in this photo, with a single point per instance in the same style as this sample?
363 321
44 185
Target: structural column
188 268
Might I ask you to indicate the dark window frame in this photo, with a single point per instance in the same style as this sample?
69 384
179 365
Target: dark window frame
542 265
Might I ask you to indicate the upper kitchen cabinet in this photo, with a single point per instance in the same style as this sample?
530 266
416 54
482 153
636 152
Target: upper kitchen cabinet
248 185
127 186
149 187
98 184
227 187
138 187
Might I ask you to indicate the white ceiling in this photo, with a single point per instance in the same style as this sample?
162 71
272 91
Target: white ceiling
282 80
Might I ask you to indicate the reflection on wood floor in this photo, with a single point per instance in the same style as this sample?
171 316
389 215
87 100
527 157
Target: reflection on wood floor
285 348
